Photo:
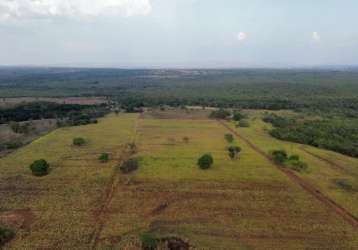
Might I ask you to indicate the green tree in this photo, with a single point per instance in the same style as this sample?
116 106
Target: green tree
79 141
104 157
5 235
229 138
40 167
279 156
234 152
205 161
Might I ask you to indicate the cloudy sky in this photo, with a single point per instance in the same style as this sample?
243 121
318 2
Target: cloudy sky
178 33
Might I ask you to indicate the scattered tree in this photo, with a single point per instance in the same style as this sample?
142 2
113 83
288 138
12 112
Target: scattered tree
220 114
237 116
234 152
79 141
104 157
40 167
148 241
186 139
344 184
229 138
279 156
205 161
129 166
6 235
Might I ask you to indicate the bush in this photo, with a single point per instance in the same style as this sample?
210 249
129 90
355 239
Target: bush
229 138
39 167
5 235
220 114
238 116
244 124
234 151
103 158
205 161
129 166
297 165
279 156
294 158
148 241
186 139
344 184
79 141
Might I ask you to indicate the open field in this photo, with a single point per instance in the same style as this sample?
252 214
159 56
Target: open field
237 204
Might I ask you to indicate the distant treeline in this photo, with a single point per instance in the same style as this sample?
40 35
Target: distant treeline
336 134
242 88
67 114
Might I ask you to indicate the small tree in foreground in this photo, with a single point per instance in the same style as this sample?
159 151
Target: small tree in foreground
39 167
103 158
79 141
229 138
205 161
129 166
279 156
234 152
5 235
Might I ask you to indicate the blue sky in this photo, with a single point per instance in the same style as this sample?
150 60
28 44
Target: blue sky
178 33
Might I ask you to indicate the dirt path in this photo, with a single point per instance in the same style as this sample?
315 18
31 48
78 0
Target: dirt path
346 215
330 163
100 216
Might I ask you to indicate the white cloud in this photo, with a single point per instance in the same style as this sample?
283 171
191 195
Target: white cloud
24 9
316 36
241 36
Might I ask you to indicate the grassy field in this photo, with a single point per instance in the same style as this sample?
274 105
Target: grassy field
246 203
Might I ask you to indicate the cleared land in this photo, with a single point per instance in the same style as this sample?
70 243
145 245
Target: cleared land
242 204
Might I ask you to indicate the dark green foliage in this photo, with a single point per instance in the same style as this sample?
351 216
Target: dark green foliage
220 114
104 157
6 235
336 134
293 162
148 241
40 167
344 184
205 161
244 124
129 166
79 141
234 152
237 116
13 145
229 138
279 156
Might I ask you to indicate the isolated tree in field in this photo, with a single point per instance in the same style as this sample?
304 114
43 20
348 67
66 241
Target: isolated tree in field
229 138
186 139
129 166
234 152
39 167
237 116
205 161
79 141
103 158
279 156
5 235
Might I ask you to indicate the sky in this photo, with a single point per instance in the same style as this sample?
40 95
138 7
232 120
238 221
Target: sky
178 33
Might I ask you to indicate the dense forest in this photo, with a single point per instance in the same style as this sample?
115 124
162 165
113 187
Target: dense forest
240 88
337 133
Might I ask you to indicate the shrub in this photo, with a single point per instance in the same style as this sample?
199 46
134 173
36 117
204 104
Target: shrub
294 158
39 167
5 235
244 124
186 139
129 166
79 141
220 114
297 165
229 138
279 156
234 151
103 158
238 116
148 241
344 184
205 161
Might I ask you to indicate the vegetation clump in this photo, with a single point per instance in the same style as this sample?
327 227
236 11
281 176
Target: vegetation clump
344 184
205 161
293 162
40 167
148 241
238 116
6 235
220 114
129 166
104 157
234 152
79 141
229 138
243 124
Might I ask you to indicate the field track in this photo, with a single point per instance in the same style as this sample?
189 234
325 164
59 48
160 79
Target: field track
112 187
346 215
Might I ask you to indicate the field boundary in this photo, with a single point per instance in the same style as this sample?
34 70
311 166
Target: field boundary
338 209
